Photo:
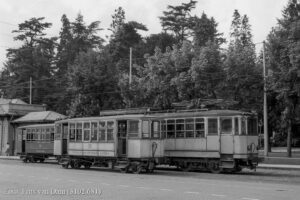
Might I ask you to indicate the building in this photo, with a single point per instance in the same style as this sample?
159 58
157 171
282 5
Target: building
11 109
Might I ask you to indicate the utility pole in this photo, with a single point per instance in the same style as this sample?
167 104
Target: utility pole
30 91
266 135
130 65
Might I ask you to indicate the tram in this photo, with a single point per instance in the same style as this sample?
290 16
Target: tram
215 140
35 142
131 143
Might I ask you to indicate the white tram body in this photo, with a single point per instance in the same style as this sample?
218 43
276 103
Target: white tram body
124 141
216 140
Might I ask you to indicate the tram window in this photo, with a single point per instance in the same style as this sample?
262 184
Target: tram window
155 129
28 132
199 127
102 131
43 130
110 131
243 127
190 128
110 135
252 126
212 127
133 129
48 136
145 130
78 132
86 131
236 126
102 135
58 132
51 136
179 128
171 129
226 126
33 135
72 132
94 131
163 128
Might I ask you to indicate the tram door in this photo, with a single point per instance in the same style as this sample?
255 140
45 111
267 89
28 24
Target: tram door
64 139
122 138
227 137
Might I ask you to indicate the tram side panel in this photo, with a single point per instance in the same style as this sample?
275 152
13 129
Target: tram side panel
212 142
35 142
114 141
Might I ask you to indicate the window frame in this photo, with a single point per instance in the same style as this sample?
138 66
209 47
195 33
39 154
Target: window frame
133 133
217 128
158 132
231 132
86 130
93 129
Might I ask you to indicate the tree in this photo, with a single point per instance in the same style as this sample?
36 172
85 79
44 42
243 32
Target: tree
244 80
160 40
92 85
75 38
118 20
33 59
178 20
283 48
125 35
207 72
205 30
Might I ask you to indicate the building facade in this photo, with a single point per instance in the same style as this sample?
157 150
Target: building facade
11 109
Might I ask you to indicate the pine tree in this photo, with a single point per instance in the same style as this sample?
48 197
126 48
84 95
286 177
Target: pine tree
178 20
244 82
33 59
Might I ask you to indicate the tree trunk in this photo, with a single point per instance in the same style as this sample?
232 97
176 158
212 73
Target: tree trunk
289 139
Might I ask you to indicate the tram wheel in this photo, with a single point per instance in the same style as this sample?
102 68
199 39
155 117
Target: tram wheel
72 164
187 167
124 170
42 160
87 166
31 159
77 165
65 166
137 170
215 168
25 160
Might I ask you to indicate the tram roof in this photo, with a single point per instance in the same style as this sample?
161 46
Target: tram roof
120 117
178 114
37 126
205 113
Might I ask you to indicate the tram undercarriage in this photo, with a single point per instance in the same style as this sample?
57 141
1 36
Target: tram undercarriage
125 165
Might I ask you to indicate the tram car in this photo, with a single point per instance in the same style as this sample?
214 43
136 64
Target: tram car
131 143
215 140
35 142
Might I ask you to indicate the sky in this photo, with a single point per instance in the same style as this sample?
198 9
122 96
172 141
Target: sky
263 15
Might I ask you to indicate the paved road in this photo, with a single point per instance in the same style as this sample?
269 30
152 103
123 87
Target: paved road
49 181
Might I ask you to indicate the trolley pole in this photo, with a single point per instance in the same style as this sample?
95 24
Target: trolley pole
266 136
130 65
30 91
